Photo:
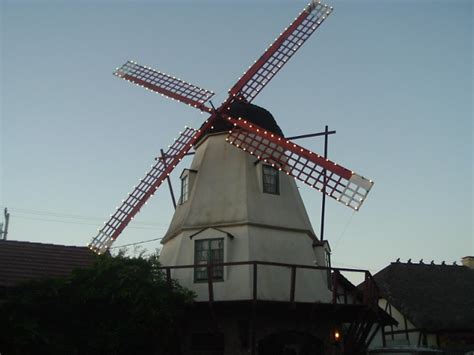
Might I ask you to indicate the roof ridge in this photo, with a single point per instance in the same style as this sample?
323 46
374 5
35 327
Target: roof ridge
40 243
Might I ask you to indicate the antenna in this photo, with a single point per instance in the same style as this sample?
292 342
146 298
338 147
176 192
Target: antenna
4 232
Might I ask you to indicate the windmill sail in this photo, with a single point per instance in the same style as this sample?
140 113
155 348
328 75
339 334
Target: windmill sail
165 84
276 56
314 170
141 193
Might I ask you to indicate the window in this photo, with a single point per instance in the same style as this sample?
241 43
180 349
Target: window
184 189
209 251
270 180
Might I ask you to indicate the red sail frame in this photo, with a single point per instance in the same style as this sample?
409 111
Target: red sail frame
284 47
314 170
141 193
247 88
165 84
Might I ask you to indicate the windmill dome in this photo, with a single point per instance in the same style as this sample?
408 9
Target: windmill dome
250 112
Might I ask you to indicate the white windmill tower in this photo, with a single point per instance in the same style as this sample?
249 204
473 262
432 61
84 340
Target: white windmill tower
240 230
237 208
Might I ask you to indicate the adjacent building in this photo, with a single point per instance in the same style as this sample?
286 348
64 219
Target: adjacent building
22 261
433 304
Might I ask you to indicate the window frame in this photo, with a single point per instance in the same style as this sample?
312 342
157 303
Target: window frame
219 270
184 189
275 173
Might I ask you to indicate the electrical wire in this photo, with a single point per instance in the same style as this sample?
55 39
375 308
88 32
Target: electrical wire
352 266
136 243
343 231
79 223
24 211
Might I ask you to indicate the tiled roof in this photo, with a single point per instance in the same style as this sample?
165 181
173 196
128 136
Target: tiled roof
21 261
432 297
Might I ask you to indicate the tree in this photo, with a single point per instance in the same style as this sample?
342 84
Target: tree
121 305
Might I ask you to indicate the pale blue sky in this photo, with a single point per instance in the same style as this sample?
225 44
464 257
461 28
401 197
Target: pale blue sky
394 78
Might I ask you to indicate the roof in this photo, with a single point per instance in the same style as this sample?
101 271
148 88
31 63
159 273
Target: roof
22 261
432 297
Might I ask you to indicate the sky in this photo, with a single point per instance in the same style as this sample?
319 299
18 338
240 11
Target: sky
393 78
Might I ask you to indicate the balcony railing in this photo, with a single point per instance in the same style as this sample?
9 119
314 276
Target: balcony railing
343 292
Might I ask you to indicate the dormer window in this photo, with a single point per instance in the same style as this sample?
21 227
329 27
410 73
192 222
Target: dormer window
184 189
187 180
271 183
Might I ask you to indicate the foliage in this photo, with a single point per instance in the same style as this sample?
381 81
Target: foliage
120 305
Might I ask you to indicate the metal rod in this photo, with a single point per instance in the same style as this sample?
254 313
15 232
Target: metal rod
292 138
323 204
168 179
325 133
172 156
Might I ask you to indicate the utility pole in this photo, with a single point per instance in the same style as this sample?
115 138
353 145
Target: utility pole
4 232
323 205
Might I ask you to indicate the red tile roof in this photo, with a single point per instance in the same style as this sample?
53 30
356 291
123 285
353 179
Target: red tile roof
21 261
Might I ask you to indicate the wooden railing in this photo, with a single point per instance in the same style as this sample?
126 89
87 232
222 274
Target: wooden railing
367 295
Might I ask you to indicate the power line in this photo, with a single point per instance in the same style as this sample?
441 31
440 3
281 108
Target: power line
72 216
80 223
136 243
353 266
344 231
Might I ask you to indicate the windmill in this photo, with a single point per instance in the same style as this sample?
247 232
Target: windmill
257 139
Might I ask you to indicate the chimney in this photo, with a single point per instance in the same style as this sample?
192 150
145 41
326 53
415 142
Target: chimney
468 261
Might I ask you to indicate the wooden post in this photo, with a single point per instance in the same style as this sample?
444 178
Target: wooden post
293 286
366 290
168 278
210 285
253 331
7 219
335 286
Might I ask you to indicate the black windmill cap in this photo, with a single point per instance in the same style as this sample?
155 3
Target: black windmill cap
249 112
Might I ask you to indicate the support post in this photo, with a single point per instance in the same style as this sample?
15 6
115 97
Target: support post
4 232
293 286
168 179
210 285
168 278
406 328
366 289
323 204
253 330
335 286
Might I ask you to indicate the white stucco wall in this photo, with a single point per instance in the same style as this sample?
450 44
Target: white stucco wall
226 196
227 190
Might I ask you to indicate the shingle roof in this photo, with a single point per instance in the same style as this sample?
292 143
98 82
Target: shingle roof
21 261
432 297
